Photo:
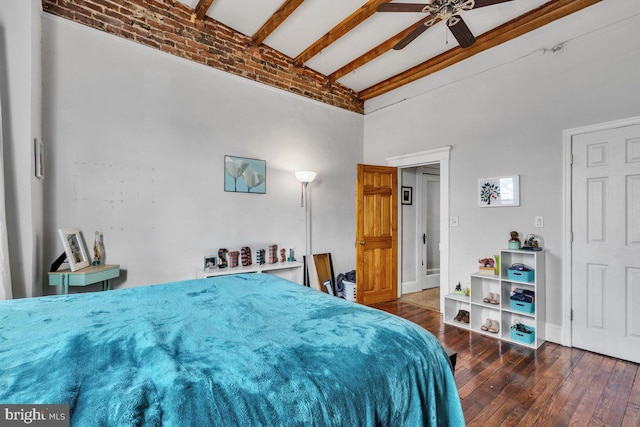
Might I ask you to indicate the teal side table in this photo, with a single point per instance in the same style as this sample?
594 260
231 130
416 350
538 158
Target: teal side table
86 276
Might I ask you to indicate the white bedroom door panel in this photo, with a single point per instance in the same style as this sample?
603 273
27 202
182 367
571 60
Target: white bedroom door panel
430 237
606 242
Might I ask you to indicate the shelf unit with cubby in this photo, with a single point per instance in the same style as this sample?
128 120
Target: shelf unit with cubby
481 285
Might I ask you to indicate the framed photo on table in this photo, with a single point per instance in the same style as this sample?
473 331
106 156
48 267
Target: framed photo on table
74 248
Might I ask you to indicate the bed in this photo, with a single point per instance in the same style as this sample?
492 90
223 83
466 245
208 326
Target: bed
247 350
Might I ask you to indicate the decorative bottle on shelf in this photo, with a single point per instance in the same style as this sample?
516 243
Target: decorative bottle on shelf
98 250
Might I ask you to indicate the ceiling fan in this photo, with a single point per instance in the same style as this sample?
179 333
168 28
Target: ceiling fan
446 10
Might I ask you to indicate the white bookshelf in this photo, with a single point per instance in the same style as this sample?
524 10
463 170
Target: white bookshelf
481 285
253 268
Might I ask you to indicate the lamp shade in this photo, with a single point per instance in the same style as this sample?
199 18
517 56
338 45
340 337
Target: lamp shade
305 176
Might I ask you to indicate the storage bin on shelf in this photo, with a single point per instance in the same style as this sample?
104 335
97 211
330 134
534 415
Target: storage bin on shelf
523 337
522 300
524 307
520 275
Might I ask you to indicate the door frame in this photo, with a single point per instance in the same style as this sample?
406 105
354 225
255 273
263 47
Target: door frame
564 335
423 158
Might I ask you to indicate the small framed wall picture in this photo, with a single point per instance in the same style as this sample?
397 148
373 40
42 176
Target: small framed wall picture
407 195
245 175
38 150
499 192
74 248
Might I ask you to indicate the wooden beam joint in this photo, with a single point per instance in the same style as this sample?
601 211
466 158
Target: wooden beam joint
202 8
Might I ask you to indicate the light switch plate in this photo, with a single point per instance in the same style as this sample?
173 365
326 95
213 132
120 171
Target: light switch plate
453 221
539 223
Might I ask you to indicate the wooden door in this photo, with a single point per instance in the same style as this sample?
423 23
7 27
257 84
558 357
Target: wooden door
376 234
606 242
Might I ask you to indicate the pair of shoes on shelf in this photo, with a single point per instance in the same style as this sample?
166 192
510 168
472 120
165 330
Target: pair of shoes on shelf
462 316
492 298
491 325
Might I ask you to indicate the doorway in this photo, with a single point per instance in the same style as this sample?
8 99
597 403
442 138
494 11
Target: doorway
420 229
438 157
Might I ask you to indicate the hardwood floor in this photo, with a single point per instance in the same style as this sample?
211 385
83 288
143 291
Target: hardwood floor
502 384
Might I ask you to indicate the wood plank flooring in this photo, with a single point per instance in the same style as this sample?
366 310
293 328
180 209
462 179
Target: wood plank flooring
502 384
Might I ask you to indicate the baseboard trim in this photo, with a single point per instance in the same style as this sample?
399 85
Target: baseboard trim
556 334
410 287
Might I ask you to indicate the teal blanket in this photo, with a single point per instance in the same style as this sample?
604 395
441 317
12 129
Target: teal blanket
246 350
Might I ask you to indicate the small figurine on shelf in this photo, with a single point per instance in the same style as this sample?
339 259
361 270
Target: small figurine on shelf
531 243
222 258
246 256
487 266
283 255
233 259
273 254
514 241
260 256
458 290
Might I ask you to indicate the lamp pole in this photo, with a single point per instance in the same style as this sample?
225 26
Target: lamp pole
307 235
305 177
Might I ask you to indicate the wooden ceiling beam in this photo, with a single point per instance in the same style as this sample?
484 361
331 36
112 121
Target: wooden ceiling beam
530 21
383 47
278 17
202 8
348 24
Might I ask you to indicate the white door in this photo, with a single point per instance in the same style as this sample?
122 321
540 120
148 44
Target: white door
606 242
430 238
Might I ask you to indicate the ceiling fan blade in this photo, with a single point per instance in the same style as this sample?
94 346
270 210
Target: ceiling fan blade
401 7
413 34
483 3
462 33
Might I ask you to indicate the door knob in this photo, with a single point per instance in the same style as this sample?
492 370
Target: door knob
362 242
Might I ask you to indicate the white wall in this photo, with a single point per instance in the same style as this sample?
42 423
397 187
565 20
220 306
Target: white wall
505 118
20 88
137 140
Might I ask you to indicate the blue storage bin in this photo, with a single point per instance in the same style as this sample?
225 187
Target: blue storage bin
520 276
523 307
522 337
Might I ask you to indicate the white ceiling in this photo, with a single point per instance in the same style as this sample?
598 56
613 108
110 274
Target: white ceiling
314 18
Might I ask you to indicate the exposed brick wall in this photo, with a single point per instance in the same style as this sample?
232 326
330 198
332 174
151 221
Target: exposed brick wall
166 25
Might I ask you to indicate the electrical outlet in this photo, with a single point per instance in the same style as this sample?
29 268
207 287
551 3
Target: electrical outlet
539 223
453 221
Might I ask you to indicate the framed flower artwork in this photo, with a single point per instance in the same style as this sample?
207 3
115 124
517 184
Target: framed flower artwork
244 175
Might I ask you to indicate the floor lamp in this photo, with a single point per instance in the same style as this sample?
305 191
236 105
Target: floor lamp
305 177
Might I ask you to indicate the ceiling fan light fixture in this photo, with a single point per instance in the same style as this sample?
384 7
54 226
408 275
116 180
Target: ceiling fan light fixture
446 12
